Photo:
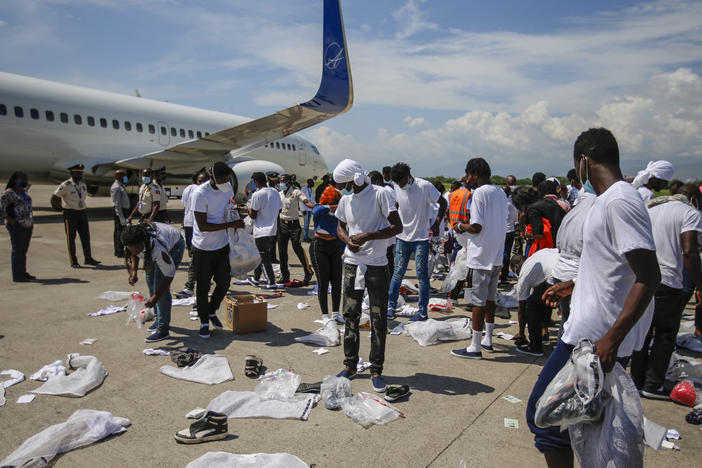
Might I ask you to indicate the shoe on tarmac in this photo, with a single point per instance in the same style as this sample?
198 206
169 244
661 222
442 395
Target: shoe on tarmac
419 317
338 317
252 281
204 331
654 394
527 349
464 353
91 261
215 321
378 383
152 327
187 292
75 265
157 336
395 392
212 426
391 313
346 373
487 348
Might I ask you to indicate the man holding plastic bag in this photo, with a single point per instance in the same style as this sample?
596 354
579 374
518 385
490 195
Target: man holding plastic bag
617 277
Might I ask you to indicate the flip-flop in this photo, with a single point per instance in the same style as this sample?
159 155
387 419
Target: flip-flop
252 367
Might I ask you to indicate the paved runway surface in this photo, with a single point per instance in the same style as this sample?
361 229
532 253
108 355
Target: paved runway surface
456 409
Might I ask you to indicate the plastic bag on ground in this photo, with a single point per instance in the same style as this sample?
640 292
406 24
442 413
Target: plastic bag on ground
115 296
508 300
438 304
689 341
328 335
278 385
82 428
681 368
252 460
89 373
457 272
210 369
136 311
334 390
432 331
243 253
367 409
684 393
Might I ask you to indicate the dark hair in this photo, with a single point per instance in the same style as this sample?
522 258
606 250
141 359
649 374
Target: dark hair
440 187
259 177
572 175
376 178
220 169
675 185
478 167
310 180
507 190
522 197
399 171
386 170
455 185
13 179
691 191
537 178
599 145
548 187
137 234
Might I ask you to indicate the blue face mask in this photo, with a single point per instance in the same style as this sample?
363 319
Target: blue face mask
347 192
125 179
587 186
146 180
283 187
407 186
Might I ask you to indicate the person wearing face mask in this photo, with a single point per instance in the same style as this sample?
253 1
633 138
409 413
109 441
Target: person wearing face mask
160 181
149 198
120 203
211 244
199 178
16 210
652 179
264 208
70 198
417 201
290 229
573 188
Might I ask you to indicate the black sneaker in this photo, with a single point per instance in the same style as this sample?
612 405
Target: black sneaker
212 426
75 265
153 327
215 322
204 331
91 261
526 349
158 336
309 387
654 394
307 278
252 281
29 277
395 392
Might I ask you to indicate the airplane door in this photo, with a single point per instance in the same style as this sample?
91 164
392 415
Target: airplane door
302 156
163 136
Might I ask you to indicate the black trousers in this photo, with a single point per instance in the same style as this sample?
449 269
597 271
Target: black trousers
327 263
390 254
291 231
77 221
161 216
19 239
188 231
509 241
649 365
266 247
209 264
537 313
117 234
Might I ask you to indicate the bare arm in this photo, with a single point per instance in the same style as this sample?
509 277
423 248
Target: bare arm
442 211
133 267
252 213
343 234
154 209
206 226
691 257
394 229
56 202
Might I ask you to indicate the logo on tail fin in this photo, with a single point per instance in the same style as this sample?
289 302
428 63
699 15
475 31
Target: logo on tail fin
333 56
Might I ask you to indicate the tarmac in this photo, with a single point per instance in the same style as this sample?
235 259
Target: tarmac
456 410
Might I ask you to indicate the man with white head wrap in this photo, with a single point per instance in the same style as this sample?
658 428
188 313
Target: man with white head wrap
367 219
655 177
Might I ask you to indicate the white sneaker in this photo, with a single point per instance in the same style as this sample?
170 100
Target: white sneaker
339 319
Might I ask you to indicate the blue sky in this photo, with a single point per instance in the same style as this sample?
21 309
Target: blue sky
436 82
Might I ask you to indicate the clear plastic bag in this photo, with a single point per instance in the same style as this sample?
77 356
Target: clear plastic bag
243 253
681 368
279 385
114 296
457 272
136 311
328 335
334 390
432 331
367 409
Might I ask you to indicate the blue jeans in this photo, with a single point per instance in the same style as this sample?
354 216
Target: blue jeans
403 252
162 309
306 216
19 239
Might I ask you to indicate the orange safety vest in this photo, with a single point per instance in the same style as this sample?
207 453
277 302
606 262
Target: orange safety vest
458 206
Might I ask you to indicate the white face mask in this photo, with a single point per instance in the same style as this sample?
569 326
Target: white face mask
225 187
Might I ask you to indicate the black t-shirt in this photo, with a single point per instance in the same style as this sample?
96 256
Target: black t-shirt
545 208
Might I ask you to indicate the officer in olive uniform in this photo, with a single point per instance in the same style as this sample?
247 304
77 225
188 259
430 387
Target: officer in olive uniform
149 198
70 197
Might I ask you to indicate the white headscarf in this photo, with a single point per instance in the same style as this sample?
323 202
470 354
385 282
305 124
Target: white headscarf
349 170
659 169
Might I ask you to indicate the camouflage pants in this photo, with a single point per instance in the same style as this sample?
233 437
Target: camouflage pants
377 285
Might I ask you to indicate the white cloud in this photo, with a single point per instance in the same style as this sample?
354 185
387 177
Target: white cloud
411 21
414 122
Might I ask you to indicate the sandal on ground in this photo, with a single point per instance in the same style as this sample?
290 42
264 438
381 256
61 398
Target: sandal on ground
252 367
212 426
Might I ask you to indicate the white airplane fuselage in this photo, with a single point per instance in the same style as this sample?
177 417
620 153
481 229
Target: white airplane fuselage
97 128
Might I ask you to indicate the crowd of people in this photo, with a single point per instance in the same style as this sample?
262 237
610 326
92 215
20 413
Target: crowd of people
617 262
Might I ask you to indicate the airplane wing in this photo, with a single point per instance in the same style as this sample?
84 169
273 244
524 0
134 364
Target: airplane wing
334 97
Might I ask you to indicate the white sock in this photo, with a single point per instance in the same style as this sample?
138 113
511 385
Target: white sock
487 338
475 345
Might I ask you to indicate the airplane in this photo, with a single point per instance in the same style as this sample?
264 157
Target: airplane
47 127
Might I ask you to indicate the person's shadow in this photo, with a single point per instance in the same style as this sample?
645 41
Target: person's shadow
439 384
54 281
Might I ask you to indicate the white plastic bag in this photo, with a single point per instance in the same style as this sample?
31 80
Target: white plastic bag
243 253
334 390
432 331
279 385
367 409
89 373
328 335
457 272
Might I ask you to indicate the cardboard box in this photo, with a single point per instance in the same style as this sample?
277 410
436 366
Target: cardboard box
243 315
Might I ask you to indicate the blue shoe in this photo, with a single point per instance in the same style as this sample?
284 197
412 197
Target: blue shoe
153 327
215 321
391 313
204 331
487 348
419 317
158 336
463 353
378 383
347 374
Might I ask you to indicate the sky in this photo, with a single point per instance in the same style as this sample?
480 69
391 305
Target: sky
435 82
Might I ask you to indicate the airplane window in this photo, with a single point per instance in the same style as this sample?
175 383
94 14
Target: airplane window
190 134
174 132
91 121
294 148
77 119
163 130
19 112
115 124
128 125
182 133
34 113
277 145
152 129
3 109
64 117
140 128
199 134
103 123
49 116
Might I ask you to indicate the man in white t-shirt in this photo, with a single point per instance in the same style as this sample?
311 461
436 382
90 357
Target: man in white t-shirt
416 201
264 207
676 224
367 219
211 244
655 177
376 178
486 243
617 277
289 229
199 178
308 190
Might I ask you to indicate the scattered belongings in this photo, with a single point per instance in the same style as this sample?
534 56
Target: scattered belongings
210 369
328 335
212 426
252 366
245 314
88 374
253 460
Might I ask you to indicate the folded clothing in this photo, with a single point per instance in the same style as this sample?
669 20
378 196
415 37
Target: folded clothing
252 460
88 374
249 405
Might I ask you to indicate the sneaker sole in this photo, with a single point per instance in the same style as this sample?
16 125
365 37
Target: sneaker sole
654 396
390 399
529 353
184 440
467 357
158 339
487 350
204 336
380 390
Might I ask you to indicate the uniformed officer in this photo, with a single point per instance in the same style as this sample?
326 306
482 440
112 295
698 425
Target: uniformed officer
289 227
70 197
149 198
162 214
120 201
